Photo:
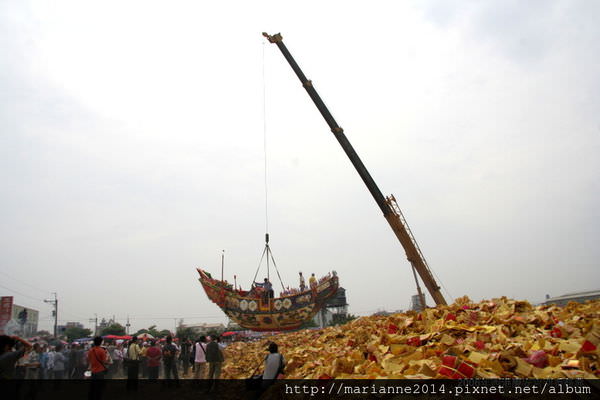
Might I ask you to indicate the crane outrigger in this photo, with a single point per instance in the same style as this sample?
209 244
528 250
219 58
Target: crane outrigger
388 205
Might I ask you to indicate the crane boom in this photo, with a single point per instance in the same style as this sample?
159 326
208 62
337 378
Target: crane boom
388 205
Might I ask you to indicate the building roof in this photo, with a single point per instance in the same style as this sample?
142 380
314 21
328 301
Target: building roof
204 326
577 295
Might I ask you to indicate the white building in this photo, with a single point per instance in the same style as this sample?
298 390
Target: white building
204 328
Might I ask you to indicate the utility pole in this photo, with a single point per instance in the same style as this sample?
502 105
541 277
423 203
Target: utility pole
95 321
54 312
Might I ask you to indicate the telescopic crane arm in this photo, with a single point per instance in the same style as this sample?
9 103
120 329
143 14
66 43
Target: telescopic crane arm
388 205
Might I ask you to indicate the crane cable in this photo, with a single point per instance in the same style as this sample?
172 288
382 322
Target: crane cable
265 138
267 249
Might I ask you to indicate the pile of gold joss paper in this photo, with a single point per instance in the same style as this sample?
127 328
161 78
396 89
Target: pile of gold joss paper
501 338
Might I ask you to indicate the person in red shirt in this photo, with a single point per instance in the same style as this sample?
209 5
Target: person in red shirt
154 354
98 358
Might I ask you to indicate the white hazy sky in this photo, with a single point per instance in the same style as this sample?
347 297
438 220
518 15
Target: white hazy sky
131 149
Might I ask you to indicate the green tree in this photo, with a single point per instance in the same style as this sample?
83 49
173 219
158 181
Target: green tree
75 332
185 332
151 330
308 324
113 329
341 319
213 332
164 333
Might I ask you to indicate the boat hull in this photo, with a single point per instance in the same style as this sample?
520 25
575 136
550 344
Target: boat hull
277 314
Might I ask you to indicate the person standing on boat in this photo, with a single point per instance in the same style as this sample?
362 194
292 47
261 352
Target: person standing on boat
312 281
268 289
302 282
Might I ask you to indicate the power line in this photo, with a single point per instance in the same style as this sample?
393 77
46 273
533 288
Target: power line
24 283
22 294
176 317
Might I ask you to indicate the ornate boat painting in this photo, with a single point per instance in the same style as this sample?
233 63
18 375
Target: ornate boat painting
254 311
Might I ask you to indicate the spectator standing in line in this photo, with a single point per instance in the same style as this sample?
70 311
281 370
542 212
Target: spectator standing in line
82 362
214 358
44 363
8 356
184 356
274 365
193 356
21 366
110 350
200 360
169 353
117 357
144 360
98 359
50 362
133 364
72 361
60 362
153 354
33 363
68 365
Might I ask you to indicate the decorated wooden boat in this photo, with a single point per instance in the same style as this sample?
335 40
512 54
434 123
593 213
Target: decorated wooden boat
255 311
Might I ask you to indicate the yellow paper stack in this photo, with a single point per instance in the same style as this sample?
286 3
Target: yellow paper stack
499 338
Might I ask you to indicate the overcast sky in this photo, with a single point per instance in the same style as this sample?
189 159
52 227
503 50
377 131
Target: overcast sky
132 150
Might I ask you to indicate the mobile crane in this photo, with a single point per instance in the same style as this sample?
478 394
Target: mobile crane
388 205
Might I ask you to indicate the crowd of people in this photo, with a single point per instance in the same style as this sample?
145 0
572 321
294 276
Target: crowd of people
134 359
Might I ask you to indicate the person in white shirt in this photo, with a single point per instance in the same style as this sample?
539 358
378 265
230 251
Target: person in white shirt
50 363
200 360
274 365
